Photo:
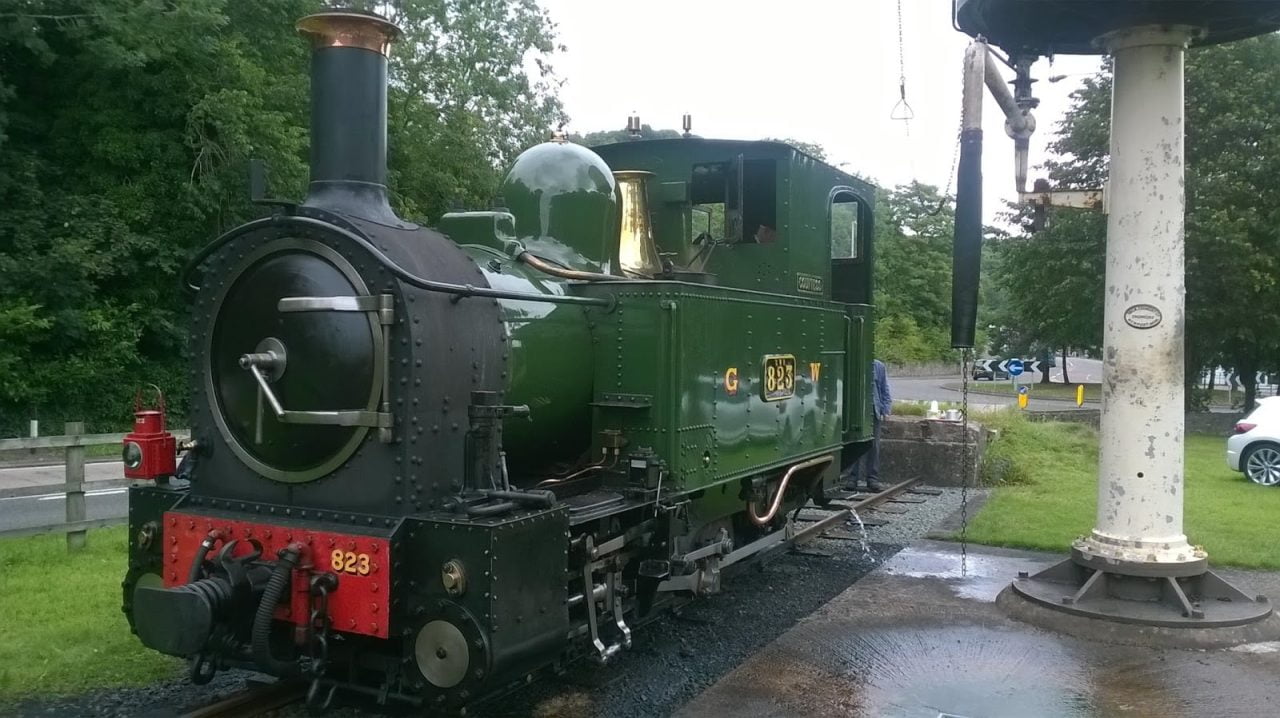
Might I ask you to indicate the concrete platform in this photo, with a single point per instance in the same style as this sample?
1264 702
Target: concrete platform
916 638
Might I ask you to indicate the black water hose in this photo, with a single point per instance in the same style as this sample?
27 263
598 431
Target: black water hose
260 641
966 257
458 290
488 509
533 497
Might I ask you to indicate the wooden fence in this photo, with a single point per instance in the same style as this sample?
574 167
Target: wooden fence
74 441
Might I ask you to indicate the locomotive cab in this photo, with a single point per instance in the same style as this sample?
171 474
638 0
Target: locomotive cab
757 215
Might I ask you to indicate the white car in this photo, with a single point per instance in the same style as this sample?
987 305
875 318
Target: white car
1254 448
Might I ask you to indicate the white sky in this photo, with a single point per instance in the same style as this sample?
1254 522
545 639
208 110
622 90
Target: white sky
823 71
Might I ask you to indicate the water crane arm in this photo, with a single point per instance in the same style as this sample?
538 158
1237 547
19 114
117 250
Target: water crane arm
966 265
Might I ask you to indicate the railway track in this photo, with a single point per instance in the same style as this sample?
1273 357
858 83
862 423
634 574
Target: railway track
820 521
255 700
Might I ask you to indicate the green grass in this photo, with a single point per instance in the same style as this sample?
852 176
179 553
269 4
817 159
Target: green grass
63 631
1045 477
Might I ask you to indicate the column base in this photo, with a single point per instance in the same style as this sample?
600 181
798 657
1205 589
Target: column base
1200 610
1086 555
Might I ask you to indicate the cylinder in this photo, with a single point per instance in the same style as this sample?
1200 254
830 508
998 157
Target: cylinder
1140 482
348 106
348 116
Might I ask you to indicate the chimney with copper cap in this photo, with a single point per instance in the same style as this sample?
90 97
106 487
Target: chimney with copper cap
349 111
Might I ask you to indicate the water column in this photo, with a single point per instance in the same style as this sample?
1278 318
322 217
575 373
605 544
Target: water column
1140 482
1136 569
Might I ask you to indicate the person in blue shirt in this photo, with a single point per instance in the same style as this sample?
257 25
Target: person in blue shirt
881 405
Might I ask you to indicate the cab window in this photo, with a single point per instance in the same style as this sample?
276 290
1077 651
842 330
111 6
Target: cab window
736 201
842 226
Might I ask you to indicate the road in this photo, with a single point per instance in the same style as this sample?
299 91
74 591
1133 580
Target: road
20 477
17 512
42 502
1079 371
930 388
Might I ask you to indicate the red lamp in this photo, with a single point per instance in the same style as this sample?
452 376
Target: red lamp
150 452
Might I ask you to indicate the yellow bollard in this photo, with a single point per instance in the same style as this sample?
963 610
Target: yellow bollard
1022 400
1079 394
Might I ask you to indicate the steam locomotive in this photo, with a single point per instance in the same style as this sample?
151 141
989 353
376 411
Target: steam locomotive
427 463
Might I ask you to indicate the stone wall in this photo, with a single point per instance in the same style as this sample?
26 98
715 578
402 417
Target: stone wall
913 447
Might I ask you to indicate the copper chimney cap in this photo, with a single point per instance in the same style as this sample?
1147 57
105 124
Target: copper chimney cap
349 28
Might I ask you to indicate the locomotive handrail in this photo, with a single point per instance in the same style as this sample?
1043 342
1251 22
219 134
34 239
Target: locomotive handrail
458 290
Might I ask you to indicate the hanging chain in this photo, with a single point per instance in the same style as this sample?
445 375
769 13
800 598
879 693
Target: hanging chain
902 61
966 366
902 111
319 626
955 158
951 173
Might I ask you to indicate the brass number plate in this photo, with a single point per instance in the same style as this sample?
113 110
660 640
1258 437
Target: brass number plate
779 377
349 562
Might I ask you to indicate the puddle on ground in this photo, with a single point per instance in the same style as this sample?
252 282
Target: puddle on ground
982 579
972 671
1263 647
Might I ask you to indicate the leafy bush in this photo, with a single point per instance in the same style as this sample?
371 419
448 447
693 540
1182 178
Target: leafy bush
1030 452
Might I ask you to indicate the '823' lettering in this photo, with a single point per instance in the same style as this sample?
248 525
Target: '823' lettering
779 377
349 562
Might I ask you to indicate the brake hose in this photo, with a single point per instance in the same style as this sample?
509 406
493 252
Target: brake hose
260 641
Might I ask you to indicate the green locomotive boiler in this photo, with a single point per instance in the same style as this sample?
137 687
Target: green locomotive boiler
428 462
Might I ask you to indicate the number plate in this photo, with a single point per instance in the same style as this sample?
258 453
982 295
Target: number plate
779 377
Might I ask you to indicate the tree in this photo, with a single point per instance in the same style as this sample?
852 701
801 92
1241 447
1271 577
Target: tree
1233 215
1233 208
813 149
608 137
1054 285
125 129
462 104
914 233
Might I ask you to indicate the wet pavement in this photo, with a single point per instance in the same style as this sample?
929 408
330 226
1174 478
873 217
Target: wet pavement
916 637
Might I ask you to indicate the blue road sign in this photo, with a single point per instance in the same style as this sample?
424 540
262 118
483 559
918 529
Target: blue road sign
1015 367
1022 390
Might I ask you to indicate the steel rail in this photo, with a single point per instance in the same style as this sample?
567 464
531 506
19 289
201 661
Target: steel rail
254 700
815 530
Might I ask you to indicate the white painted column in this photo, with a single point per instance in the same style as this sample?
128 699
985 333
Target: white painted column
1140 481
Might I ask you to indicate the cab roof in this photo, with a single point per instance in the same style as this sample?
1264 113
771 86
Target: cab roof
757 149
